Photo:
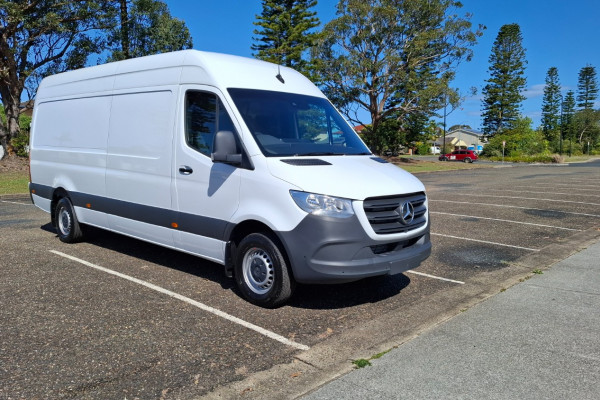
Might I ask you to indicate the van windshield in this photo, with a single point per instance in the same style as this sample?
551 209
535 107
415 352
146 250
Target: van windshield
288 124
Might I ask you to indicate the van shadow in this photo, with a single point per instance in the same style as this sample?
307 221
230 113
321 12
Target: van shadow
155 254
364 291
316 297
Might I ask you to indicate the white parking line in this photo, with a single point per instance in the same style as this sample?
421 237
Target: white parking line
15 202
567 186
484 241
506 220
435 277
194 303
546 192
457 193
520 207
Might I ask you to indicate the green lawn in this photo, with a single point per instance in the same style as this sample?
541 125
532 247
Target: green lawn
415 166
13 183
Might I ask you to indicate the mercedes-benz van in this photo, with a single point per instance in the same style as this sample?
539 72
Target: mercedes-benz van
239 161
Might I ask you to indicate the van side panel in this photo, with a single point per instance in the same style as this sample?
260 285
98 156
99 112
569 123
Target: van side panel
139 161
68 148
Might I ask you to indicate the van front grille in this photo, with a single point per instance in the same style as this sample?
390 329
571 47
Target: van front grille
385 213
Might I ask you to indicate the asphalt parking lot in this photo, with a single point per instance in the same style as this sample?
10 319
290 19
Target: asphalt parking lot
114 317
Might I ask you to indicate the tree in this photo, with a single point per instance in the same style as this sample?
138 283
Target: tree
587 93
567 112
502 94
521 139
147 27
39 37
551 108
285 32
124 25
392 58
587 88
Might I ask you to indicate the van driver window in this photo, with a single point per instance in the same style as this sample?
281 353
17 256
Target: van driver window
205 115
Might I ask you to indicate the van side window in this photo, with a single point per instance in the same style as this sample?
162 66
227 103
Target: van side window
205 115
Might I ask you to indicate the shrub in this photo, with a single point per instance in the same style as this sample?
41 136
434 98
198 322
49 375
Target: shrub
520 140
422 148
21 143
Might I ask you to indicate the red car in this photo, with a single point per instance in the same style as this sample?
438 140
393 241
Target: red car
460 155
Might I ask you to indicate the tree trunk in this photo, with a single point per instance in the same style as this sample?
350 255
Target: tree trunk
11 99
124 29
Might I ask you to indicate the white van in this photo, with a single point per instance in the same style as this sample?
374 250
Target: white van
236 160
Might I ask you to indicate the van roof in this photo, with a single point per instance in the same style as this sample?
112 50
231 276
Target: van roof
181 67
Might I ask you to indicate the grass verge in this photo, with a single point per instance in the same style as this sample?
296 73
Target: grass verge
413 166
14 182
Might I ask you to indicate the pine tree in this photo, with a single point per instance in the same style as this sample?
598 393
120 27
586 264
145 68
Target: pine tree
285 32
502 94
587 93
567 113
587 88
551 108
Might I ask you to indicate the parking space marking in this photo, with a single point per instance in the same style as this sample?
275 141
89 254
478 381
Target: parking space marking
566 185
506 220
520 207
194 303
457 193
16 202
434 277
484 241
546 192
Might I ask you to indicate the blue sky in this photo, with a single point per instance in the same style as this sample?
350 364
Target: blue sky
556 33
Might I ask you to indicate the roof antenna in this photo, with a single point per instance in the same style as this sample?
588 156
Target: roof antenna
278 76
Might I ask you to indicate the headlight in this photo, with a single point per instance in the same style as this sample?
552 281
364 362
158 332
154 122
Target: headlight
319 204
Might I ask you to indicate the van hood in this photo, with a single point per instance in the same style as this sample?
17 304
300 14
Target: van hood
350 177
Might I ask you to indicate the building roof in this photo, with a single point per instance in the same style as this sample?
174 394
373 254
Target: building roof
467 131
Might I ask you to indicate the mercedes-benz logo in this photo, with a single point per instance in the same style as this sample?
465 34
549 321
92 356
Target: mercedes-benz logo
407 212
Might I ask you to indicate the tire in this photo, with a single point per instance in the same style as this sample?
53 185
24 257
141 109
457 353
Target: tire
261 271
67 226
468 160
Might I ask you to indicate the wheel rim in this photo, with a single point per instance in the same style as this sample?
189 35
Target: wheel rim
64 221
258 270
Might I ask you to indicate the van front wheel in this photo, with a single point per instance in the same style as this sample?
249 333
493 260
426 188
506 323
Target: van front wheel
261 272
67 225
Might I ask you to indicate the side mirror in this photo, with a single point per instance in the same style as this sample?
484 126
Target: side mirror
225 149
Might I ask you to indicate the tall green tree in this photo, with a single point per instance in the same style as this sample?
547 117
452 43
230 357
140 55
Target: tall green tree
587 93
502 95
551 103
285 32
392 58
40 37
567 113
587 88
145 27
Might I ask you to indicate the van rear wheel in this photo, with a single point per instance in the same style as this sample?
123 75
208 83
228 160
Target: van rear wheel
261 271
67 225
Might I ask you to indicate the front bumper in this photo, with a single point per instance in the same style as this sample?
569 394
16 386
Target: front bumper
332 250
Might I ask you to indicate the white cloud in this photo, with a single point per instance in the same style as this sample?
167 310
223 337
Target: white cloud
534 91
533 114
